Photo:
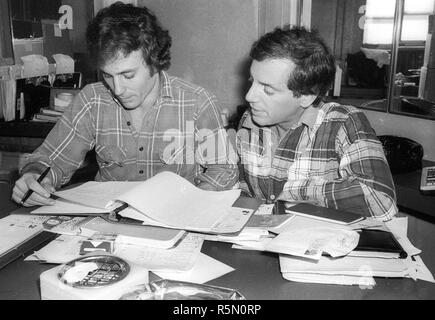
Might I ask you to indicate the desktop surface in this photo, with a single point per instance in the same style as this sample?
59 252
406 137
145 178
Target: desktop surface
257 275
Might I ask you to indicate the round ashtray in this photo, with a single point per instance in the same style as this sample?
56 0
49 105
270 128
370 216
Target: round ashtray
93 271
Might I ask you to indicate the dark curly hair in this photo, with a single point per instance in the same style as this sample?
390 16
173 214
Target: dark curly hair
123 28
315 65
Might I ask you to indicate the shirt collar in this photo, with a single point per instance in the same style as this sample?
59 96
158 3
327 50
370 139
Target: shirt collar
165 85
310 115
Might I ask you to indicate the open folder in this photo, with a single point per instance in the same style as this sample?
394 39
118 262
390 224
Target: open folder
165 200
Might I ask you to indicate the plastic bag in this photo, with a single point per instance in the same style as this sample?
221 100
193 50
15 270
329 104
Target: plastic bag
179 290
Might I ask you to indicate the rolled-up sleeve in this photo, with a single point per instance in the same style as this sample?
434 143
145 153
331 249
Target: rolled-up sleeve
365 184
215 152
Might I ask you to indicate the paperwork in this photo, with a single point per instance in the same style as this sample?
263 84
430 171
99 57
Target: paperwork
16 229
164 200
134 234
205 269
180 258
357 268
313 242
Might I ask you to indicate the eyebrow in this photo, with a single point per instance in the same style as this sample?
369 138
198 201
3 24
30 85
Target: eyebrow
122 72
268 85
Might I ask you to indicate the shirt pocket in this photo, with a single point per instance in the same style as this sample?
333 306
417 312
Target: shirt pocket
110 157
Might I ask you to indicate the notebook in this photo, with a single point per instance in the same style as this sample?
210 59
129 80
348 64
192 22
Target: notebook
372 240
136 234
326 214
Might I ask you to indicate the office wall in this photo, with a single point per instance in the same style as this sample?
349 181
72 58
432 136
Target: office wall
211 42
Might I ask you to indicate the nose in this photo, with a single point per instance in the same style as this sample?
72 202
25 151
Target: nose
251 94
118 86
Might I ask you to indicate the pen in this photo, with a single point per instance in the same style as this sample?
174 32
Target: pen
30 191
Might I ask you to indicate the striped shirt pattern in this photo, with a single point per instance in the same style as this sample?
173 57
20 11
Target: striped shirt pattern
182 132
337 162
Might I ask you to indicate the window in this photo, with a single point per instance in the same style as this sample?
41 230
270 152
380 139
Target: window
379 21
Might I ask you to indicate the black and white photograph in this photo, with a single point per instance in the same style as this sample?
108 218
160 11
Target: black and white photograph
242 153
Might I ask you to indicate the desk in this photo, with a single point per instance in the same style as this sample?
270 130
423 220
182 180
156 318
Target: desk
257 275
409 197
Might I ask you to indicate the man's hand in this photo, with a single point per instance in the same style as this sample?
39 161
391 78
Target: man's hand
41 192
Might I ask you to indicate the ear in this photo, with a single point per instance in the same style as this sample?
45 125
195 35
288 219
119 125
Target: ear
307 100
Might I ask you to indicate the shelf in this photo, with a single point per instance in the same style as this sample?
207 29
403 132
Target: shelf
25 129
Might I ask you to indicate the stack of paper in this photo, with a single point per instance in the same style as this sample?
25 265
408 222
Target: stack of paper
353 268
184 261
258 231
165 200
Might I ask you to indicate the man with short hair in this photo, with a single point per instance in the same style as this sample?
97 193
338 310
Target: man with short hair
295 147
140 120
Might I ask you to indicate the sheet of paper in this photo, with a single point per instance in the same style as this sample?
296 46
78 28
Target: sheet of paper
180 258
300 222
97 194
17 228
134 234
364 282
369 223
355 266
312 242
418 270
259 245
174 201
60 250
205 269
66 225
265 209
399 228
60 206
167 198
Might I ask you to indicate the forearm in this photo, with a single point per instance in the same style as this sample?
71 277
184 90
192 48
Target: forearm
345 194
38 161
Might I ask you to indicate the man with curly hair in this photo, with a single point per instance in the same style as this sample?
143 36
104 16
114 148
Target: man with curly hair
296 147
139 119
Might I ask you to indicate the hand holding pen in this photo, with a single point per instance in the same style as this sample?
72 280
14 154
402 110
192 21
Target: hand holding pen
29 191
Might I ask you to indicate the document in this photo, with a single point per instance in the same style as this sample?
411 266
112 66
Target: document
311 243
164 200
352 266
399 228
15 229
366 282
205 269
134 234
60 250
180 258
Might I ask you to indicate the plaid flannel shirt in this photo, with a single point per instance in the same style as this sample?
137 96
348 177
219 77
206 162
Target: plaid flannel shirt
182 132
332 157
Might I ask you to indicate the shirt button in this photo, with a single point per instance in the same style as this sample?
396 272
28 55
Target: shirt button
141 171
141 149
272 197
128 123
